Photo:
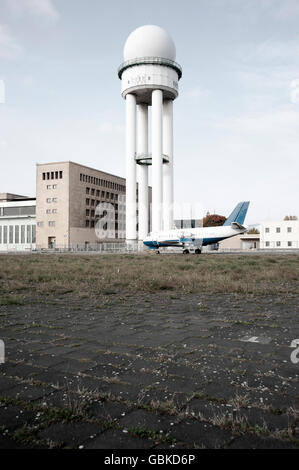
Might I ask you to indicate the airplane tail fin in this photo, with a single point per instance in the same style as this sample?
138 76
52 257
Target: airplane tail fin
238 214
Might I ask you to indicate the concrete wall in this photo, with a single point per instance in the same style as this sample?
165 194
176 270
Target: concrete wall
233 243
241 242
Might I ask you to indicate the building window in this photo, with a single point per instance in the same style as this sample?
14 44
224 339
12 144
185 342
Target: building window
28 233
48 175
81 177
27 210
17 234
49 199
98 193
23 234
277 229
33 233
92 202
56 175
44 176
289 229
48 211
267 230
267 243
277 243
49 186
54 199
11 210
92 224
39 224
0 235
92 192
51 223
5 234
87 223
92 213
87 212
54 186
87 190
87 202
54 211
289 243
10 234
60 175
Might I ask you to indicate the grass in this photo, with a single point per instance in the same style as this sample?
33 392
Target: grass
150 434
110 275
11 300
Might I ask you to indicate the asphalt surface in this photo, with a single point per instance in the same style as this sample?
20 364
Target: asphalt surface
159 371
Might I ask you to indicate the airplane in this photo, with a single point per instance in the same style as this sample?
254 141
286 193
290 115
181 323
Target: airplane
190 239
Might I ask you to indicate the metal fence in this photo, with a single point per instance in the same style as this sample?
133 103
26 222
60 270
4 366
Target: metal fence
138 247
109 247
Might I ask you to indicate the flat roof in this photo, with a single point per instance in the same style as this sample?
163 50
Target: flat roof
19 202
83 166
253 236
10 197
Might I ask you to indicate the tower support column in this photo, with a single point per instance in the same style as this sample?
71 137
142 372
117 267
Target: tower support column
157 149
168 167
131 218
143 172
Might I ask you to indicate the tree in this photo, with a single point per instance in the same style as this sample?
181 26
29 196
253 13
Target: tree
213 220
253 230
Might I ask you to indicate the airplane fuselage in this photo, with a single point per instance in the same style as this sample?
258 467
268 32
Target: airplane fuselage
196 236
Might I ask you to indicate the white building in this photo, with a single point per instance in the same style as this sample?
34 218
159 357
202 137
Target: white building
283 234
17 223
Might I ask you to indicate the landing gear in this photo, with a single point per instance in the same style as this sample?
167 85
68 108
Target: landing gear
197 251
186 252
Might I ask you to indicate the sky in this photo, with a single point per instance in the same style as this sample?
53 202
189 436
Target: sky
236 120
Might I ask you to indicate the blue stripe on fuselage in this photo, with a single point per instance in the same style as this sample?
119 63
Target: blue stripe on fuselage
206 241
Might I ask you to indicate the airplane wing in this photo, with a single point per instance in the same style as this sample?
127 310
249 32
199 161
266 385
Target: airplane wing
191 241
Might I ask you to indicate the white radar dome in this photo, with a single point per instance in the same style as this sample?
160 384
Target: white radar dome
149 41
